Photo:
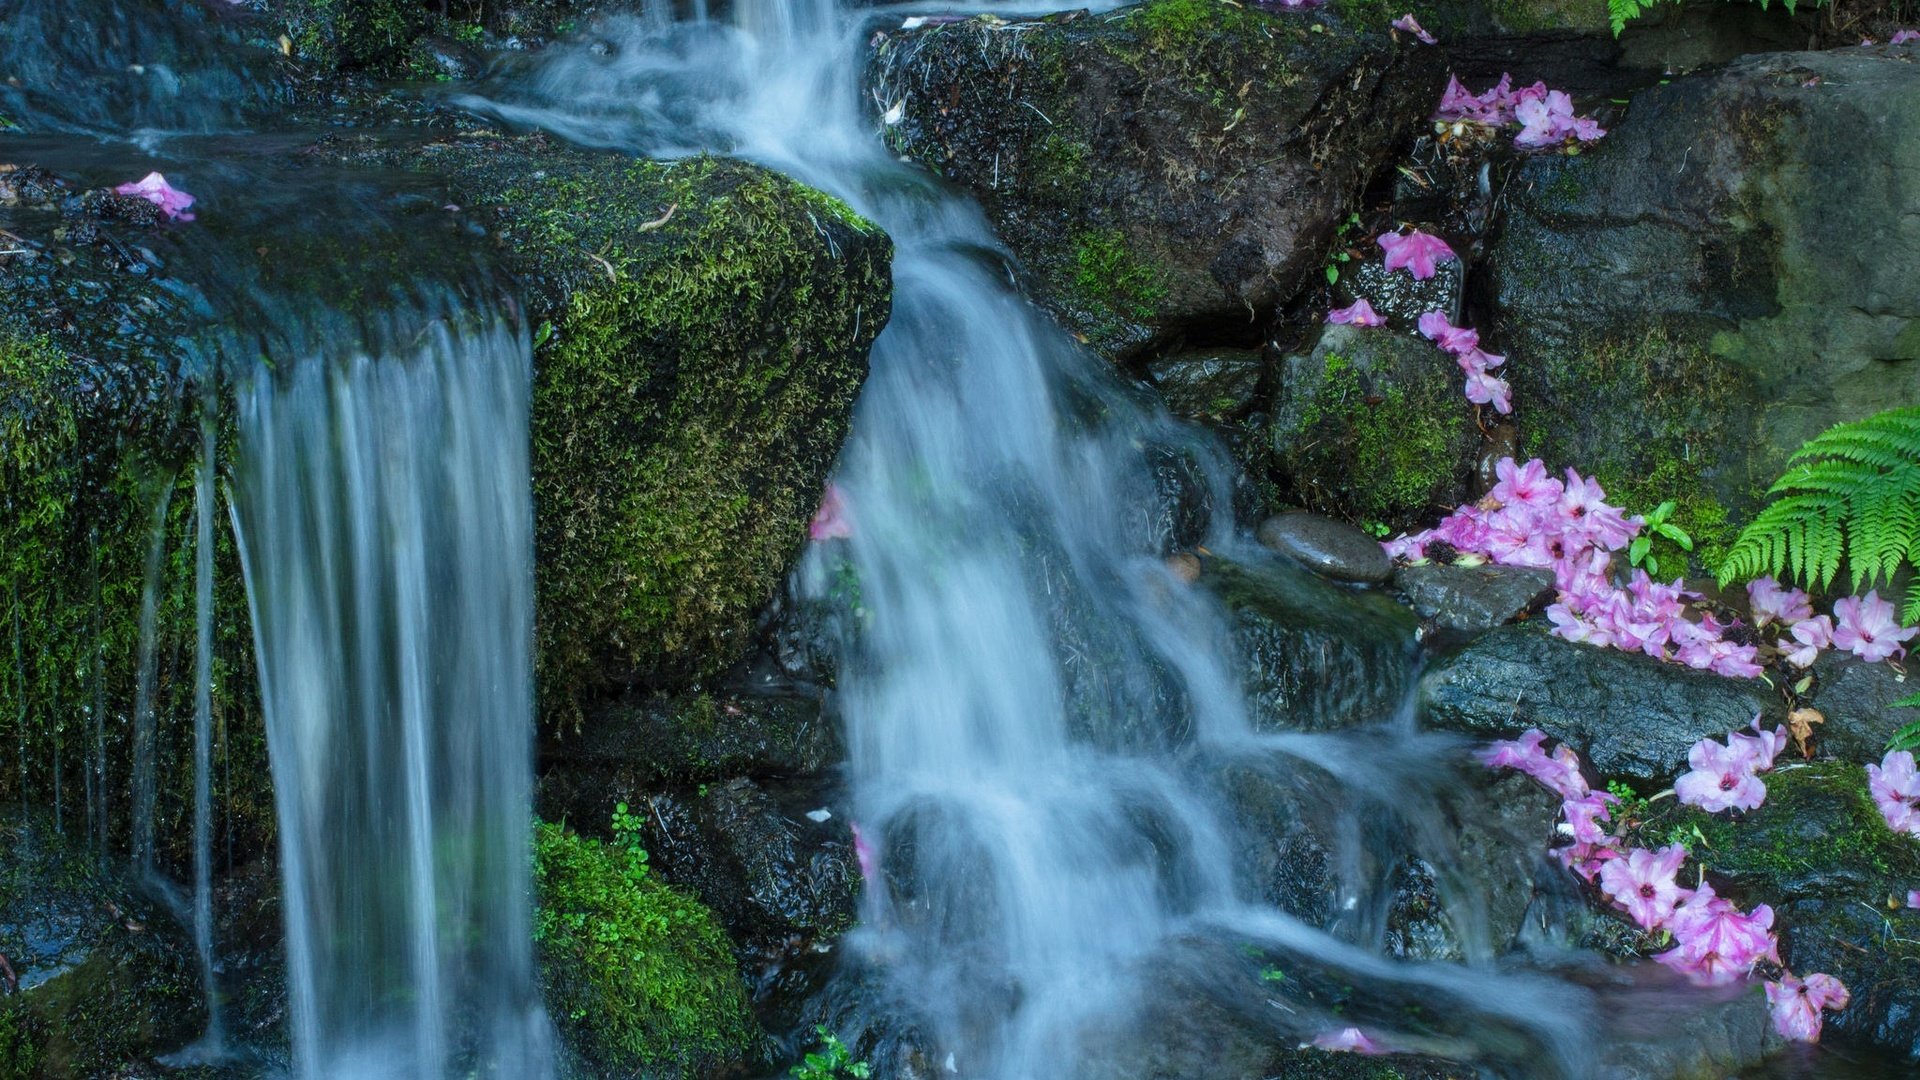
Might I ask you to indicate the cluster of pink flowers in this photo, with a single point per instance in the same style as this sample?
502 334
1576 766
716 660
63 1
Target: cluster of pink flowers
1464 346
1862 625
1715 943
154 188
1895 787
1546 117
1726 776
1532 519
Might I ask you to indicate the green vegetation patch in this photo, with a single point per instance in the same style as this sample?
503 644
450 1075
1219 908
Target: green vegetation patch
638 975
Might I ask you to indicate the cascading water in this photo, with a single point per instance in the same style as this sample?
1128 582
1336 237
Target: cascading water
385 519
1041 717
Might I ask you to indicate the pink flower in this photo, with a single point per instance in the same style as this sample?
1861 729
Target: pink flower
1584 509
1476 361
1406 22
864 854
1722 778
1763 747
1587 860
1359 313
1495 106
1584 816
1485 389
1417 251
1813 635
154 188
1454 339
830 521
1525 485
1772 603
1558 772
1348 1040
1716 944
1643 883
1866 628
1896 790
1547 118
1913 898
1900 37
1796 1005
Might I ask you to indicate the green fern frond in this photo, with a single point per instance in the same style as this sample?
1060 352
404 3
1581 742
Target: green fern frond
1851 495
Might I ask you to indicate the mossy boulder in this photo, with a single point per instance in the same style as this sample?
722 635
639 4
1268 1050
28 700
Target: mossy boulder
1174 166
415 39
105 979
702 330
637 975
1819 852
1725 275
1372 426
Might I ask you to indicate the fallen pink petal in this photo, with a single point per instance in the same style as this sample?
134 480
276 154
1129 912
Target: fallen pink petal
1347 1040
154 188
1358 313
1410 25
830 522
1419 252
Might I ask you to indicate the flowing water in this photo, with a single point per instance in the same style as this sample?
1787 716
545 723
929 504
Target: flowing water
384 511
1039 714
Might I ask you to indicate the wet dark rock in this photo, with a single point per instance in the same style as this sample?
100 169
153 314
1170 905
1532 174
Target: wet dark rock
1212 385
106 978
1332 549
1856 699
1692 262
1819 852
1472 598
1400 296
1175 166
1372 426
1627 714
775 878
698 737
1314 656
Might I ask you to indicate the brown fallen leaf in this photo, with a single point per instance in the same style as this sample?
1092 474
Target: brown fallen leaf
1800 725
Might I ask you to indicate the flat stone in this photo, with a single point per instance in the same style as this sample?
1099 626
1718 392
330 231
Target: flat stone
1856 698
1330 548
1472 598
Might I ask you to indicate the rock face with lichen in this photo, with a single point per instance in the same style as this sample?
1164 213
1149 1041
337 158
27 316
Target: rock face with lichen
1171 167
1732 268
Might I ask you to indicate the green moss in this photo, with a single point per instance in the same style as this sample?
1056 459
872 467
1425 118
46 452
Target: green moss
1374 449
1189 26
1108 271
1527 16
1062 168
639 977
1816 821
1681 406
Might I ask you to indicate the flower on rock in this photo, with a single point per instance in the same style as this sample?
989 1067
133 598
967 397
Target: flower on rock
1559 772
1643 883
1417 251
1796 1005
1717 943
1525 485
1895 787
1485 389
1454 339
830 521
1350 1040
1866 627
1358 313
1412 26
863 853
1772 603
1549 119
1723 777
154 188
1813 635
1900 37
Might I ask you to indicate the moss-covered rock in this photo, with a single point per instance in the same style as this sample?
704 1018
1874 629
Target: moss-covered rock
1819 852
637 975
1169 166
1372 426
1692 299
105 979
417 39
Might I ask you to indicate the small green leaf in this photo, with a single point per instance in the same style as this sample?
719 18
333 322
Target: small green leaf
1662 512
1637 550
1333 274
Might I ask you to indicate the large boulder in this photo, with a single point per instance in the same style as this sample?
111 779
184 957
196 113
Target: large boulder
1726 274
1627 714
1173 166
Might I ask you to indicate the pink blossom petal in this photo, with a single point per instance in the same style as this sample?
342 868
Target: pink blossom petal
1901 37
1865 626
1417 251
1348 1040
1358 313
1644 884
1796 1005
830 522
154 188
1895 787
864 854
1407 22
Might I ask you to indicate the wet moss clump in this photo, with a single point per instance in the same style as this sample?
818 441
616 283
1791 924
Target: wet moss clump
701 332
1372 428
1818 834
638 976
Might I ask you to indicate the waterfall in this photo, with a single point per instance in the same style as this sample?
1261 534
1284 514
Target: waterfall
203 496
384 516
144 734
1036 706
